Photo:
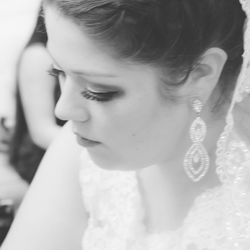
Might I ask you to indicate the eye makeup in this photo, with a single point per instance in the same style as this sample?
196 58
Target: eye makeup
93 91
99 96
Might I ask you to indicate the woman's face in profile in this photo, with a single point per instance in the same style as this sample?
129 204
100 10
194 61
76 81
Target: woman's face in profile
117 107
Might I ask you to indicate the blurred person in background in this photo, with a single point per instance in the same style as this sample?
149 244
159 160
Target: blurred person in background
12 187
17 19
35 123
36 95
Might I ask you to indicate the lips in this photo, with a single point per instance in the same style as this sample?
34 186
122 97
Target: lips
85 142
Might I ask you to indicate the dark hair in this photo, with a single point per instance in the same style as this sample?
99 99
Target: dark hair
172 34
39 34
24 154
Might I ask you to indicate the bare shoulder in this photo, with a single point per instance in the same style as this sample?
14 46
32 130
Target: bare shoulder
52 209
64 149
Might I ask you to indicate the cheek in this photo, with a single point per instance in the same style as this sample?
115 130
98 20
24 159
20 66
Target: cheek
153 135
131 121
138 124
139 116
138 133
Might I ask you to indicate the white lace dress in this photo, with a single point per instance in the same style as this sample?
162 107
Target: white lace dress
218 220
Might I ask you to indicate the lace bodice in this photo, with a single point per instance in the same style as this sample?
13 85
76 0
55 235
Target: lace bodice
218 220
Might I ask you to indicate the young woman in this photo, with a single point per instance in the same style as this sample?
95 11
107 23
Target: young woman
36 124
147 86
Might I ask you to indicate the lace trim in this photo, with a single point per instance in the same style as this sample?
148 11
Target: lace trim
219 218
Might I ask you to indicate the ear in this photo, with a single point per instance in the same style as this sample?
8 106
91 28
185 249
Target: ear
205 76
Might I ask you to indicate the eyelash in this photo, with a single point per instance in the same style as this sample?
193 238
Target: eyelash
56 72
90 95
98 96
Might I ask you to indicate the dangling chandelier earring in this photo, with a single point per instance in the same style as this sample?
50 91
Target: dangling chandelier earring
196 160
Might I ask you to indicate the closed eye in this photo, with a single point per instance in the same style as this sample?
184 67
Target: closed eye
99 96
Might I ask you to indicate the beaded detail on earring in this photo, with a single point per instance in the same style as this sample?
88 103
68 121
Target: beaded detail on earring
196 160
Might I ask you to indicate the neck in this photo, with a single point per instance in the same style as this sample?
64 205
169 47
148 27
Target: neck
168 193
168 199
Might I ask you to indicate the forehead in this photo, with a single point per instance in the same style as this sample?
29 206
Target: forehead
71 46
73 49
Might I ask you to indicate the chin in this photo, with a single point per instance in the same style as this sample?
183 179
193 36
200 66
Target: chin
111 162
103 161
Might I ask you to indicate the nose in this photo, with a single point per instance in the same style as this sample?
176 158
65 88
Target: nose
71 105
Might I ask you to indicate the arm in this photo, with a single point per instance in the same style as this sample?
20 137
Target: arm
52 216
37 95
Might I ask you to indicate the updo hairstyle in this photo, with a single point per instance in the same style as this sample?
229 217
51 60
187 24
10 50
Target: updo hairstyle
168 34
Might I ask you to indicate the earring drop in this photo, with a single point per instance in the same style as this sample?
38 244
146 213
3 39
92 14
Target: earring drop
196 160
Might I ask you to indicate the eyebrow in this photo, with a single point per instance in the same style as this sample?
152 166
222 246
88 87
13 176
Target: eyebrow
83 73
